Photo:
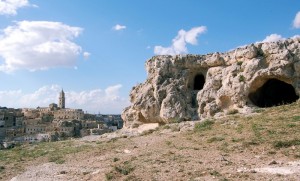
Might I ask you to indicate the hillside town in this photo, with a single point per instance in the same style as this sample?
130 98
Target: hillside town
53 123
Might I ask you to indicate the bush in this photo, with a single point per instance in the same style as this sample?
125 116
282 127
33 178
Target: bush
124 169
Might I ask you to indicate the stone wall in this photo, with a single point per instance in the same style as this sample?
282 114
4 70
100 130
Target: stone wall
190 87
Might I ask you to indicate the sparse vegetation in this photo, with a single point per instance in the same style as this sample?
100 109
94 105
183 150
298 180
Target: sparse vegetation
203 126
57 159
239 63
232 111
286 144
125 168
215 138
212 149
242 78
116 159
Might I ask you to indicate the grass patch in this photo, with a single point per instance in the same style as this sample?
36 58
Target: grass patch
296 118
257 128
215 139
291 125
203 126
286 144
58 159
240 128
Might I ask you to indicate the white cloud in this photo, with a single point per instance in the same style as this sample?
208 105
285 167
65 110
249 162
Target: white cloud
86 55
10 7
296 22
180 41
106 101
273 38
38 45
118 27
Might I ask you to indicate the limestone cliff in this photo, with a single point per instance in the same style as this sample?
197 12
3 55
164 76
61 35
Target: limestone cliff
190 87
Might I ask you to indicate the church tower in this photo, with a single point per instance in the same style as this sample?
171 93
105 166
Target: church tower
62 100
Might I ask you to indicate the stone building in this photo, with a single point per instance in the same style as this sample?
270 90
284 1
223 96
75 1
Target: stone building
76 114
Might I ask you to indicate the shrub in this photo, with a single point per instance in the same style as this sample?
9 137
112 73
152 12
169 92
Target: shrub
109 176
242 78
124 169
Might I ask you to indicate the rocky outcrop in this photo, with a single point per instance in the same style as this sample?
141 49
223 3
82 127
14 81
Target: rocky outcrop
190 87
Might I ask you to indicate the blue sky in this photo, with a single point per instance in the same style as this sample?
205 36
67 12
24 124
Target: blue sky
96 50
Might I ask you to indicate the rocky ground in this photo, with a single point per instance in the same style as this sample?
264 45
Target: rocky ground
261 146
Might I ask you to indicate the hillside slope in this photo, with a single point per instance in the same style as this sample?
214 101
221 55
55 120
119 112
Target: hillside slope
260 146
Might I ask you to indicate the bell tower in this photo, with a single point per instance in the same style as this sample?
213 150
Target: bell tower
62 99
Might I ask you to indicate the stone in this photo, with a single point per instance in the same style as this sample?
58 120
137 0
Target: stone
193 87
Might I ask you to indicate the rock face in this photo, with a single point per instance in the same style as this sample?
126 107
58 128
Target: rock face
191 87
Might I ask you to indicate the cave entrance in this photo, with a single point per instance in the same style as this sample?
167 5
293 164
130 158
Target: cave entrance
273 93
199 82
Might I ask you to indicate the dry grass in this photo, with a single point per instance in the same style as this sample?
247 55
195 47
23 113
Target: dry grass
214 150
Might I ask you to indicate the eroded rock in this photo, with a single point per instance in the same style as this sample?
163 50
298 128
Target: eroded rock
190 87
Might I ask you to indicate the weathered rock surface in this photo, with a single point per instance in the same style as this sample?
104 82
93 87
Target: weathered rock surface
190 87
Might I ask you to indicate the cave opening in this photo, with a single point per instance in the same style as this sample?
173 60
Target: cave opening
199 82
273 93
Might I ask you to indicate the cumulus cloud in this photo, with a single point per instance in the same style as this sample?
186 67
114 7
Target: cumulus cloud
38 45
180 41
273 38
86 55
118 27
10 7
296 22
106 101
